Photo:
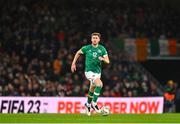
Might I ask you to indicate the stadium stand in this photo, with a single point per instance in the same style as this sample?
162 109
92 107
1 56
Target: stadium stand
38 41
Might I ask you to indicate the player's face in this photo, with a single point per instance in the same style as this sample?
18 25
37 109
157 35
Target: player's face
95 39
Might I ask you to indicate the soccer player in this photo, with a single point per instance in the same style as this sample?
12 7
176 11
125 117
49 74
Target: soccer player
95 54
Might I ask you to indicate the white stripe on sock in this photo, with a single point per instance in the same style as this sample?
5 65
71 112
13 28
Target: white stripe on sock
97 94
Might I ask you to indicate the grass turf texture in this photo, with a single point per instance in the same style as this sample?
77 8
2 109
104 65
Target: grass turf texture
82 118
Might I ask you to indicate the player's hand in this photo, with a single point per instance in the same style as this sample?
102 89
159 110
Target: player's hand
101 58
73 67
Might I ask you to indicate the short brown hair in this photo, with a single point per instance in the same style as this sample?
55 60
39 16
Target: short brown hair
96 33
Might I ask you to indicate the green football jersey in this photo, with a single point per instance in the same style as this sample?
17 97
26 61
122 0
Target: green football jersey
92 54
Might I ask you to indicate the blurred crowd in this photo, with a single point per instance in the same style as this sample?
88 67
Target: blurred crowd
38 40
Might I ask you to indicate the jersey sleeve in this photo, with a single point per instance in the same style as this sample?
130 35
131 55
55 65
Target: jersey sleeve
84 49
104 52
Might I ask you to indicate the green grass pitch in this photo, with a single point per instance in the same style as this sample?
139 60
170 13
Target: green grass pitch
82 118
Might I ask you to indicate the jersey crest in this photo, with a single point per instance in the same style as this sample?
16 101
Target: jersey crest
94 55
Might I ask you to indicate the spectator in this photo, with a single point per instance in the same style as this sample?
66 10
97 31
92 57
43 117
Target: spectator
169 97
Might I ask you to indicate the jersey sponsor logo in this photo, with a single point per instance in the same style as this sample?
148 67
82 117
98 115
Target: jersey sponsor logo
94 55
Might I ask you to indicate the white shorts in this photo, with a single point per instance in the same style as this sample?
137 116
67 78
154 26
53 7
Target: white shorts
91 76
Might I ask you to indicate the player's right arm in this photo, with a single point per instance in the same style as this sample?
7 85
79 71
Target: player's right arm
77 55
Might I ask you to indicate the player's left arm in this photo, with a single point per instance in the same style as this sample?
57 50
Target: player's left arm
105 59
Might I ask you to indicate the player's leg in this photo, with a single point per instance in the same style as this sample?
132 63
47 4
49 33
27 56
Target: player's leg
90 93
96 94
89 100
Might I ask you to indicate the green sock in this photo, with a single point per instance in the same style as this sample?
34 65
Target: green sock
90 97
96 93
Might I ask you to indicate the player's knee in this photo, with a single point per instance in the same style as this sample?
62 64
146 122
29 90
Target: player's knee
101 85
98 83
92 88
